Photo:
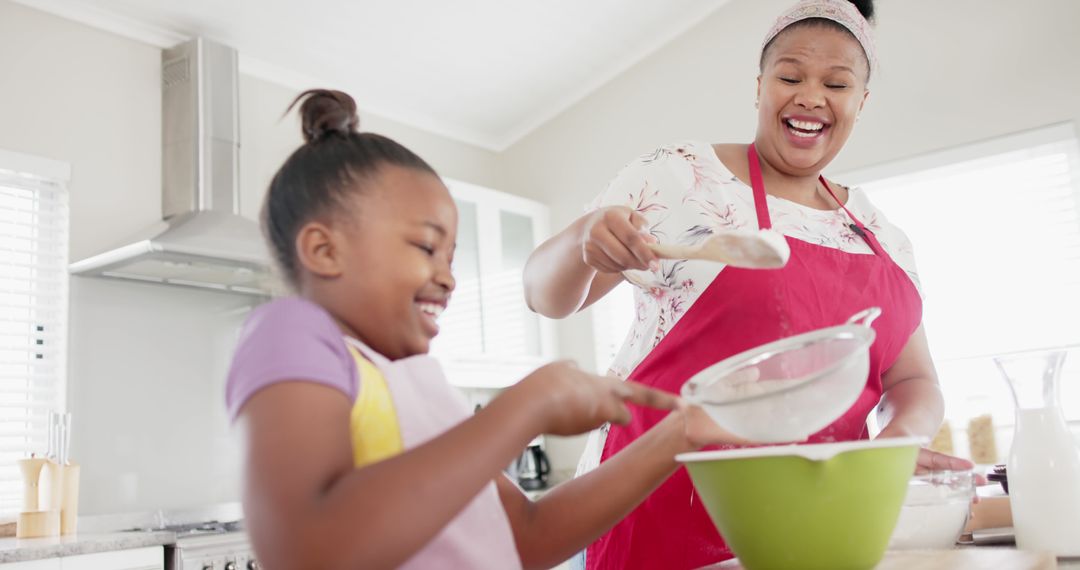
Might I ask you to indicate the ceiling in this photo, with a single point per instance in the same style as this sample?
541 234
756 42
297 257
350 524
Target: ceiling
485 72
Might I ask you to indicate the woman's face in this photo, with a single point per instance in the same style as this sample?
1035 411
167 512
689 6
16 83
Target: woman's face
811 89
395 261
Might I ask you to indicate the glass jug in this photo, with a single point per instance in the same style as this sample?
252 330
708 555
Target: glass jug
1044 463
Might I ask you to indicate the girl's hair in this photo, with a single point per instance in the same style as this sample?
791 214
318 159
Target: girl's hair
334 161
865 7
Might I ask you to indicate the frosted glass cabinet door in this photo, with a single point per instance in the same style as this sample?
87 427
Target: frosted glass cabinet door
488 337
461 328
513 330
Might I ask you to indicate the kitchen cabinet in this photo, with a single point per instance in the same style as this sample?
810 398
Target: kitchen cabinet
488 336
149 558
46 564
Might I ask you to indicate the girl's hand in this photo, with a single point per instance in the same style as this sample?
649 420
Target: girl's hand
572 401
702 431
612 241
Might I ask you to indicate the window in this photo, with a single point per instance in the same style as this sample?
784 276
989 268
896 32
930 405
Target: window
996 232
488 337
33 311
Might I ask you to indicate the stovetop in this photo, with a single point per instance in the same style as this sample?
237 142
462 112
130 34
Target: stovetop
203 528
210 545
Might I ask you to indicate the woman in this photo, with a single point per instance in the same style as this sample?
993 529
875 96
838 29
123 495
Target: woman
815 65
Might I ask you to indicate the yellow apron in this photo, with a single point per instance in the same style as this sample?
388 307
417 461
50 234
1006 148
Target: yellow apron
374 422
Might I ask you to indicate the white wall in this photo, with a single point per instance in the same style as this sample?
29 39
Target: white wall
267 139
147 363
952 72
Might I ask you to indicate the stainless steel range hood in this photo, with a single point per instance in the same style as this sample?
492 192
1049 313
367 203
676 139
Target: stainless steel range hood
202 241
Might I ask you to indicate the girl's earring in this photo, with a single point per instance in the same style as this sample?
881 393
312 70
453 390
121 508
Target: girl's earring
756 105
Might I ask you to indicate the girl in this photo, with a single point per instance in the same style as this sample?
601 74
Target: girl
358 453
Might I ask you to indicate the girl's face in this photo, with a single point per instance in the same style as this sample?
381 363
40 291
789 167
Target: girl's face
395 259
810 92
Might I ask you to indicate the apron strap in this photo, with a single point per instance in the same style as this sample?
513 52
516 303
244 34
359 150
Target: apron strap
764 222
857 226
369 354
762 207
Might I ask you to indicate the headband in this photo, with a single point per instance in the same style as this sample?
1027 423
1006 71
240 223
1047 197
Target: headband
840 11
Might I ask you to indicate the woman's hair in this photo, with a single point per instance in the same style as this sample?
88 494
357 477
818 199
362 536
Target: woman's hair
315 180
865 7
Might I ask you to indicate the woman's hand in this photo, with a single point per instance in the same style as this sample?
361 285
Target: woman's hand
930 461
571 401
612 241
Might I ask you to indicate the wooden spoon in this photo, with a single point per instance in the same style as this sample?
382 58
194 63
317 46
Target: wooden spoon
753 249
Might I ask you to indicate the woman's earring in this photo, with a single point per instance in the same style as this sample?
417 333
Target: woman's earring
756 104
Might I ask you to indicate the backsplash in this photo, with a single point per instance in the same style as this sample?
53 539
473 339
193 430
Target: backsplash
146 377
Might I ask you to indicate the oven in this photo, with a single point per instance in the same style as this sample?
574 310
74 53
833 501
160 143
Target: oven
210 546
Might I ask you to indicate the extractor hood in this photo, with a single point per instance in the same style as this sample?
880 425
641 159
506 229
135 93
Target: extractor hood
202 241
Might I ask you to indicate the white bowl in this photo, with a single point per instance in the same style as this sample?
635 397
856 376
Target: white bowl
935 511
787 390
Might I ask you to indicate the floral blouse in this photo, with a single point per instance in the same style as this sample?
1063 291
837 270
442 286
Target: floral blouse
686 193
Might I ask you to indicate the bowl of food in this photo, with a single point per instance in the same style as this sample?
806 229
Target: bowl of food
815 507
935 510
789 389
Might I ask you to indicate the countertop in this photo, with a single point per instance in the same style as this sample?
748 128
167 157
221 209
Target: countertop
24 549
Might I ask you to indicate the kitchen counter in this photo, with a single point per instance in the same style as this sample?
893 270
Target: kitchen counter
25 549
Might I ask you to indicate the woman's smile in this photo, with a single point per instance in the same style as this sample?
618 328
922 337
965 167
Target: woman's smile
805 131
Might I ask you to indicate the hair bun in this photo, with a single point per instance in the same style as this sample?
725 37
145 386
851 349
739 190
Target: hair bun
326 112
866 8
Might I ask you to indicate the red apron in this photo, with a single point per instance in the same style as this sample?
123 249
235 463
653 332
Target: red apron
741 309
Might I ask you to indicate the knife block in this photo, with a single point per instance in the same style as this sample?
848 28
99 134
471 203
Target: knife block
50 498
69 503
31 471
51 487
37 524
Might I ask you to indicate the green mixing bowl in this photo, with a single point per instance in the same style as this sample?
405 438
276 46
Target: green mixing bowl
827 506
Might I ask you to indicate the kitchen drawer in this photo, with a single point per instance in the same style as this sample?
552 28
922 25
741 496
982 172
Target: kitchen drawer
149 558
46 564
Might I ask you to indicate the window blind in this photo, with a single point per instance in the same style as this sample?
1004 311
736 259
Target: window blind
33 314
997 243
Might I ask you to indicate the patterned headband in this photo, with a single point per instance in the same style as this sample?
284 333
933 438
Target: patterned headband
840 11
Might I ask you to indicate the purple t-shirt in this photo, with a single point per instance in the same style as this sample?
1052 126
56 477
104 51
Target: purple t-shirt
289 339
